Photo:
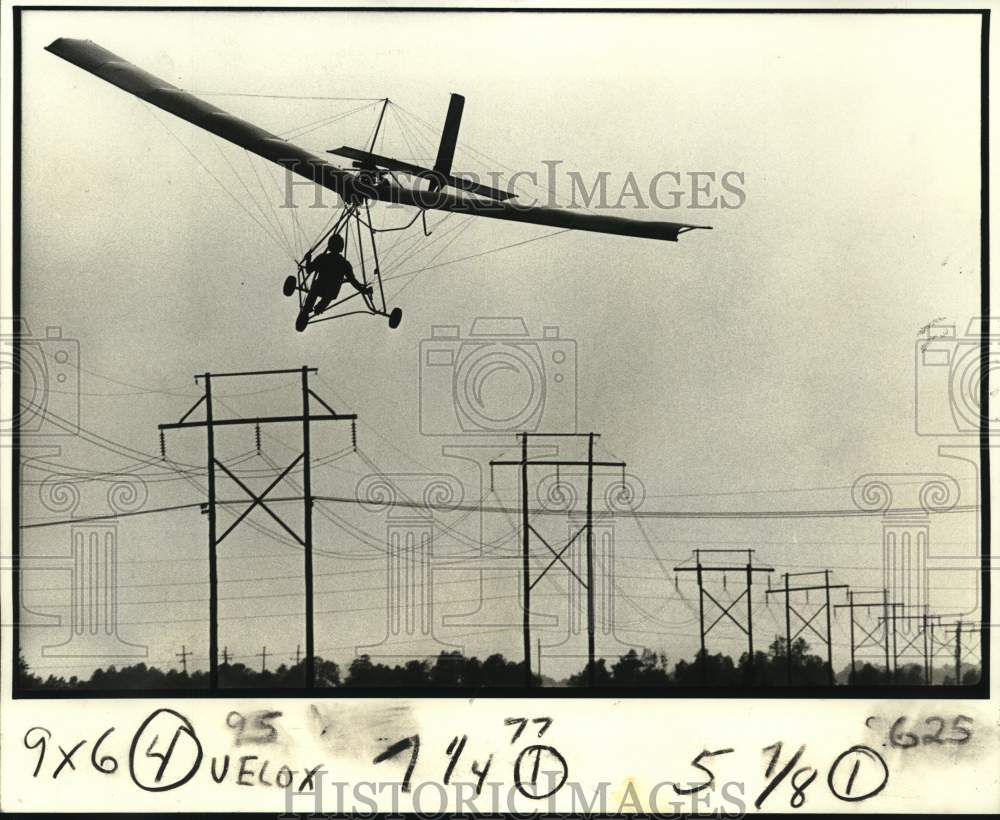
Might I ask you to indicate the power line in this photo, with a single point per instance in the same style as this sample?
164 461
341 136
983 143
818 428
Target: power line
651 514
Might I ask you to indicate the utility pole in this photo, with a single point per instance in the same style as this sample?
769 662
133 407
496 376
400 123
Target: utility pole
888 607
935 643
591 652
528 530
788 634
213 564
307 536
964 650
525 560
298 654
263 660
928 649
210 423
726 611
850 604
538 652
922 620
225 655
869 637
701 618
825 607
958 654
183 655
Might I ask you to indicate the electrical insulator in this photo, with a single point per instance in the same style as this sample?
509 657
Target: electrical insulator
163 446
354 435
257 437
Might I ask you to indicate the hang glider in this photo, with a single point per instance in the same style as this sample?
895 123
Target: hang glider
372 180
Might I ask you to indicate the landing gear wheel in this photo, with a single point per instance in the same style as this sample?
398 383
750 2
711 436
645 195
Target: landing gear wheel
395 317
289 287
301 321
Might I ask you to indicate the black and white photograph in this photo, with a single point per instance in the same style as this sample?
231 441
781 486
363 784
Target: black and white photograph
564 408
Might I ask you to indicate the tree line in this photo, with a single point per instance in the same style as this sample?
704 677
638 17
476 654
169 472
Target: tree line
453 670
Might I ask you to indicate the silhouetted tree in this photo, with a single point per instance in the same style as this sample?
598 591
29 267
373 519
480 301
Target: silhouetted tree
719 670
449 669
761 673
24 676
807 669
647 669
869 675
602 677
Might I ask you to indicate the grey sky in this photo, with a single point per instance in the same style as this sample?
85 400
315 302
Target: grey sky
766 364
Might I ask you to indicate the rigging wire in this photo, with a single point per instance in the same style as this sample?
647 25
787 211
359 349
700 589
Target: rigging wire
284 96
315 125
218 181
475 255
275 232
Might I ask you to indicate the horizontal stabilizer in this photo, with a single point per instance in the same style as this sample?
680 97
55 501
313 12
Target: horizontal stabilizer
368 160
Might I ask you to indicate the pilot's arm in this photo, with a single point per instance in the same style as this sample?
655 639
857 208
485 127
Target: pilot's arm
312 264
349 274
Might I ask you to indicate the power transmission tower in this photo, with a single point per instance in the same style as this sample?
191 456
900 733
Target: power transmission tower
934 643
825 607
870 635
964 650
298 654
527 530
725 611
183 655
210 423
921 632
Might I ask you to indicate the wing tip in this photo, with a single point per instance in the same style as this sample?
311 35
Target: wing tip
63 42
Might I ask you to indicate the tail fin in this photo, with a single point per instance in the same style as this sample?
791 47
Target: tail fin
449 137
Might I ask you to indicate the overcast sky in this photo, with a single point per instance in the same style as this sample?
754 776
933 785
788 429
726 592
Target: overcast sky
765 364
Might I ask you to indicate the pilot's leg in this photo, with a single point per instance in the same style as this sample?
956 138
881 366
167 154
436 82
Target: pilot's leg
330 293
302 320
311 299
